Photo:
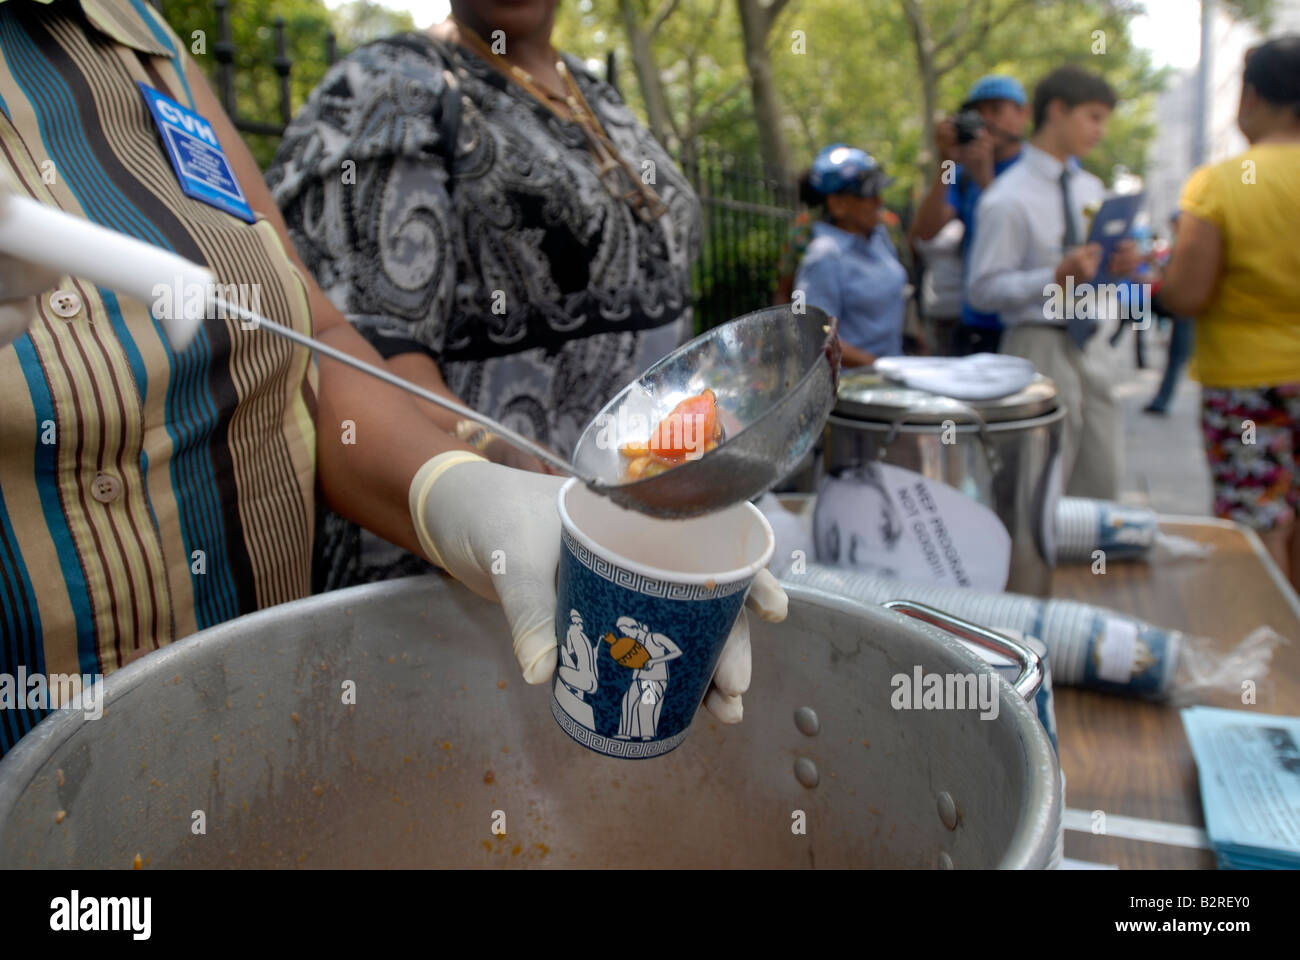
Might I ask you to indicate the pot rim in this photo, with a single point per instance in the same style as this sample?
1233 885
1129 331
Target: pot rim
1030 846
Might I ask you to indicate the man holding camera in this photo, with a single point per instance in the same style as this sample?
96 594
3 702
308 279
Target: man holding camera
975 145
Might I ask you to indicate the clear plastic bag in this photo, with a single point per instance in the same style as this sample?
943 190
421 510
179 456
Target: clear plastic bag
1203 670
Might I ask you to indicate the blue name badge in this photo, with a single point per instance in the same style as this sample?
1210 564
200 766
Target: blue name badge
196 155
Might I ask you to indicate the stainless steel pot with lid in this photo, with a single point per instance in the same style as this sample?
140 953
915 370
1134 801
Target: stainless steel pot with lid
386 725
868 396
1003 453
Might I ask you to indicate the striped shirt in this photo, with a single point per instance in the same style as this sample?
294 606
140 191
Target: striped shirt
144 494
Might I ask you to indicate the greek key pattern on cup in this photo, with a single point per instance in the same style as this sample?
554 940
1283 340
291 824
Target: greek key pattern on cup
645 585
628 749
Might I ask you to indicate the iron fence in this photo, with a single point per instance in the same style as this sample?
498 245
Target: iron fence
746 214
747 218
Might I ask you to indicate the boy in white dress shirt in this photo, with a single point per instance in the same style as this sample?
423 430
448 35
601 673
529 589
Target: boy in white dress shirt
1028 250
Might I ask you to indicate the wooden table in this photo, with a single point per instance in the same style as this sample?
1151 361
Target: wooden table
1131 758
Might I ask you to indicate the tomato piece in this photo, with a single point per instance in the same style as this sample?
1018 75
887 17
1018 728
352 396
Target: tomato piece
687 429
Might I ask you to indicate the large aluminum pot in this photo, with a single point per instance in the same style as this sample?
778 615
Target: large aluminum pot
247 723
1002 453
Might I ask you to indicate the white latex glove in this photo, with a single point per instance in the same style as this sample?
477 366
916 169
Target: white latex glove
731 678
474 517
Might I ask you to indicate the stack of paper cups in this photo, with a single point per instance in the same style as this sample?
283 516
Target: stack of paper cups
1084 526
1089 646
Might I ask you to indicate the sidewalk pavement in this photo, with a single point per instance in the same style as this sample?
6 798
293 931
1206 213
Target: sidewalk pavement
1164 465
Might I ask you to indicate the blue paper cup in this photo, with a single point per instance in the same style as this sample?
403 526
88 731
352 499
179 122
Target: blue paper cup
643 610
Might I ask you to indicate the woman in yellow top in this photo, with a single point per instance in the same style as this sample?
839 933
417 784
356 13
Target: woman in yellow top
1236 269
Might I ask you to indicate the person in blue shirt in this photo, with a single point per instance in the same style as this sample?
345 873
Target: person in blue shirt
851 269
965 169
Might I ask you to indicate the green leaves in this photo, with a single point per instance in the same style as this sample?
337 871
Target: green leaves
252 34
843 71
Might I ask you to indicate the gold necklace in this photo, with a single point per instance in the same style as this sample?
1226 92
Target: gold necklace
611 166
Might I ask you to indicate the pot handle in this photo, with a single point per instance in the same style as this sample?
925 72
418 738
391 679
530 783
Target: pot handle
980 424
1031 665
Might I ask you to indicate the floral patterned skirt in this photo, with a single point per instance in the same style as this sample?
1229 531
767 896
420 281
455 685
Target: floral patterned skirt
1252 441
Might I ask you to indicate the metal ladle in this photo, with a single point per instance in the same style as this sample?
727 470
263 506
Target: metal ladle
774 375
773 372
379 373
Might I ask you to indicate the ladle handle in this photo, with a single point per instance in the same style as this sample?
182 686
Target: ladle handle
1031 665
504 432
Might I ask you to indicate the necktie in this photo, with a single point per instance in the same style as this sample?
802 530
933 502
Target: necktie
1071 231
1079 328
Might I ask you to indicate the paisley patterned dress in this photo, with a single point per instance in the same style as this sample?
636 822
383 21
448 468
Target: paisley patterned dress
538 293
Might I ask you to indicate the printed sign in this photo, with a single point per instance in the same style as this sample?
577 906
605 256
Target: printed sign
895 523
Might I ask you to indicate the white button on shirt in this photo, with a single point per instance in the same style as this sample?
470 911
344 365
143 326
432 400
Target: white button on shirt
105 487
1021 234
65 303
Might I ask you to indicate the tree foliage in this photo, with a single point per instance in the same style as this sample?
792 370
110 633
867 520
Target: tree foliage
307 24
1257 12
844 71
849 71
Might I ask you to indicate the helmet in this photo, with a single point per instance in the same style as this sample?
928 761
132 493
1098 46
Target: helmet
840 168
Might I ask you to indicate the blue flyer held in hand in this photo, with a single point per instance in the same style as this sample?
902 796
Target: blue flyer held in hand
1113 223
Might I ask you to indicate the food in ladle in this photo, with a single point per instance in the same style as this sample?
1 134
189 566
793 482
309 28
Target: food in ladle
689 431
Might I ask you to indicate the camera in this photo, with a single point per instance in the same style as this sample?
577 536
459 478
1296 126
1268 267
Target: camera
968 124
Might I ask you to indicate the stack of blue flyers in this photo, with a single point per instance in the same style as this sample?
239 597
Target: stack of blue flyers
1250 786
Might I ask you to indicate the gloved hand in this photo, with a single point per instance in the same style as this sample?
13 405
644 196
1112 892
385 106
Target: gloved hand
497 531
19 283
731 678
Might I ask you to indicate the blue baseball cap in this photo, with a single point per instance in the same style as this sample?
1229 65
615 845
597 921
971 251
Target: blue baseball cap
840 168
996 86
